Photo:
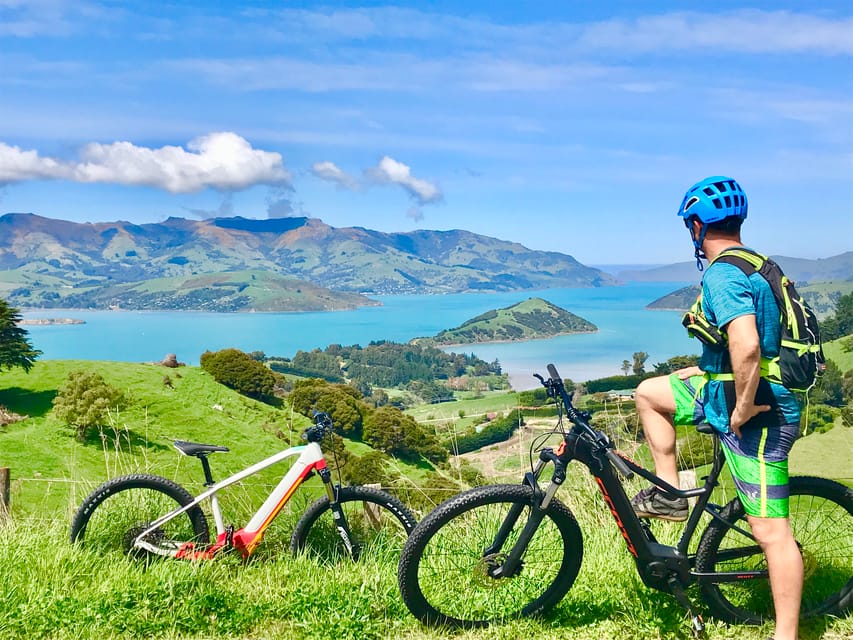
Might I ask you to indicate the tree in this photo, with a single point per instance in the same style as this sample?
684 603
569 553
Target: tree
15 349
830 387
626 367
640 358
239 371
675 363
839 324
85 400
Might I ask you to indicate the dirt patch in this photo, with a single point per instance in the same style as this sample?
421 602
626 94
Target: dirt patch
518 445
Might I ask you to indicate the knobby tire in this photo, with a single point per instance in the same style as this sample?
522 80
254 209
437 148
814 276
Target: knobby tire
121 508
379 523
444 577
821 516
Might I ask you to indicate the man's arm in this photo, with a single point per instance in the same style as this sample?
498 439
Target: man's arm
745 354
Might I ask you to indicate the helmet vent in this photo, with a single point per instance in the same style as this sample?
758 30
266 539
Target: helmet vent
728 201
721 186
709 191
691 202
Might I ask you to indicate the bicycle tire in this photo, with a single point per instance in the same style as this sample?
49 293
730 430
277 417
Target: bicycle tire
378 522
121 508
443 574
821 516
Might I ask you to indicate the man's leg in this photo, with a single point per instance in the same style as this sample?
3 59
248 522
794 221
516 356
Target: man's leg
656 408
785 565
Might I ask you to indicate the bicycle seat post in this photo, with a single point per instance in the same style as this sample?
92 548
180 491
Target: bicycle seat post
205 464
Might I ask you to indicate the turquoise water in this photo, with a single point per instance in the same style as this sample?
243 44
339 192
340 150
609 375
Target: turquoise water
624 327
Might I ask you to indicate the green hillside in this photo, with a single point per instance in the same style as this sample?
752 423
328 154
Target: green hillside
531 319
834 351
246 290
52 471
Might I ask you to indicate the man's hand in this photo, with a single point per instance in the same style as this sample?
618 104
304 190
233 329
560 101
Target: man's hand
688 372
743 413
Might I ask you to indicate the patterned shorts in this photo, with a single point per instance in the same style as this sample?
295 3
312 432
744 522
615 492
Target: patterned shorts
758 461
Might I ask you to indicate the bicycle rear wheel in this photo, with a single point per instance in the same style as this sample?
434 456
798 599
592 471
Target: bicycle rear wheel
378 523
444 574
122 508
821 517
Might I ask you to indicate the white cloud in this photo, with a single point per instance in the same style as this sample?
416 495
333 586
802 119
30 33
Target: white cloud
17 165
389 171
330 172
223 161
744 31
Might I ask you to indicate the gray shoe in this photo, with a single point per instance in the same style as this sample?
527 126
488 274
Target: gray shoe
654 503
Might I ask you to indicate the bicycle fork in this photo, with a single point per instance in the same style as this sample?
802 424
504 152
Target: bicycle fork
353 548
512 564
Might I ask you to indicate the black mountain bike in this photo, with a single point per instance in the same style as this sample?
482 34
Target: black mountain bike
501 551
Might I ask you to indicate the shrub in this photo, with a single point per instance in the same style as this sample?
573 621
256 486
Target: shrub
340 401
239 371
371 468
392 431
85 400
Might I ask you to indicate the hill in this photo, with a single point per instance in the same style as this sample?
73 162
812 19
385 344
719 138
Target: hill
531 319
821 296
801 270
51 263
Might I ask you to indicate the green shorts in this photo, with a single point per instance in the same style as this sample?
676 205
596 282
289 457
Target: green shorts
758 461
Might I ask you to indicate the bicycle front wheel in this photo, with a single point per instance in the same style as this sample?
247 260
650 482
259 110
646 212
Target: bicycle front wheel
446 568
115 513
378 525
821 517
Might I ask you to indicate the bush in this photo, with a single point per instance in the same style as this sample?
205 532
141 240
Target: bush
392 431
85 400
371 468
239 371
342 402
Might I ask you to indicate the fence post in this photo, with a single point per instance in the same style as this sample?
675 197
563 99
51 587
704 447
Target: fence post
4 493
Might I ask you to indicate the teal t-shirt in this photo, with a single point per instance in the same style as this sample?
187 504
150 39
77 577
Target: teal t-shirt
728 293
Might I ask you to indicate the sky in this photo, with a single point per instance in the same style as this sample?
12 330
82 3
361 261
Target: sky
564 126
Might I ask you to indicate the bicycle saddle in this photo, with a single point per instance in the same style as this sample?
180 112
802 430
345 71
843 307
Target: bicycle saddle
196 449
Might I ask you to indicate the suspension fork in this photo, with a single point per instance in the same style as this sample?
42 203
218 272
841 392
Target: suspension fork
341 524
538 506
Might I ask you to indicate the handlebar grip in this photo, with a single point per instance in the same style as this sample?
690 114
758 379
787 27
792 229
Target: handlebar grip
552 371
619 463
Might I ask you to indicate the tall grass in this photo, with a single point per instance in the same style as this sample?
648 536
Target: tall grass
56 590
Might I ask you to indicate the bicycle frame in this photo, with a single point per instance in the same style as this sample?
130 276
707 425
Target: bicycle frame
662 567
245 540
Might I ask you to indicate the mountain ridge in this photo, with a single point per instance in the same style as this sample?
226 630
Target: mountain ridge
43 261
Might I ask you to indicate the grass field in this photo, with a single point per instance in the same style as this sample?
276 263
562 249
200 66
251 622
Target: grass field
55 590
833 351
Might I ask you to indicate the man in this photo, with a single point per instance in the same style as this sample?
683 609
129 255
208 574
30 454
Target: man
757 420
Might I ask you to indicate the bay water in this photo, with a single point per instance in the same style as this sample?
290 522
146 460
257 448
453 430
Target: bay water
625 327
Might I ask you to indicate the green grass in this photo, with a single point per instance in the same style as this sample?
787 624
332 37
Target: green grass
833 351
55 590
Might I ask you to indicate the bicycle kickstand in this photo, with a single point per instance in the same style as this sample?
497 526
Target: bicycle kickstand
697 625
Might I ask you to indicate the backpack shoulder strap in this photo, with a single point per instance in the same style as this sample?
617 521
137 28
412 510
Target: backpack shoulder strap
746 260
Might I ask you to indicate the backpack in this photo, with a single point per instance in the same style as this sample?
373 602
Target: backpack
800 360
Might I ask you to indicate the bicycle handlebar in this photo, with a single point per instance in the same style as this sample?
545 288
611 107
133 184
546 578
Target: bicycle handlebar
580 419
322 425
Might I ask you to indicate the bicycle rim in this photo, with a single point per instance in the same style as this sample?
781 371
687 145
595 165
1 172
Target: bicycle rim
446 577
821 517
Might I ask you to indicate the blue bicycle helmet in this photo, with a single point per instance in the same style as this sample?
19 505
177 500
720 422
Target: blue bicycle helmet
711 200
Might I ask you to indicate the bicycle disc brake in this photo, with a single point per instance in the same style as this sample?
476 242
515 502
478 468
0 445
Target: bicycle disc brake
484 570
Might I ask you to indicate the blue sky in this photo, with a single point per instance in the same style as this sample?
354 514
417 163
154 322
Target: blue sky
565 126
